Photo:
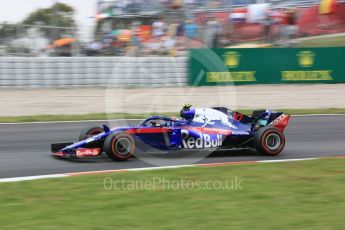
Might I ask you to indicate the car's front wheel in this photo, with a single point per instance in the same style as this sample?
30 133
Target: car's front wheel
269 141
90 132
119 146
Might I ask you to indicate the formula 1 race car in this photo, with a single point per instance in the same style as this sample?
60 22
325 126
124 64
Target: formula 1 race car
199 129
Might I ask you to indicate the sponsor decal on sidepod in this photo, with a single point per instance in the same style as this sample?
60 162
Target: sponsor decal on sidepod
203 141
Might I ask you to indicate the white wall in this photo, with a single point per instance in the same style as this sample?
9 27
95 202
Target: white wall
93 71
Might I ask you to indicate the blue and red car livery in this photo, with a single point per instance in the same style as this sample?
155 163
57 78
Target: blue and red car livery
198 129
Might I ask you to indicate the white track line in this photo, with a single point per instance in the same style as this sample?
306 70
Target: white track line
30 178
287 160
162 167
317 115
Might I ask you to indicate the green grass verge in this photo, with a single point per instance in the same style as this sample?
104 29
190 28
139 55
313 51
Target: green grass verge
323 42
293 195
102 116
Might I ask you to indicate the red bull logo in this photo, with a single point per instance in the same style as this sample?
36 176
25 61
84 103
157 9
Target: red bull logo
88 152
201 140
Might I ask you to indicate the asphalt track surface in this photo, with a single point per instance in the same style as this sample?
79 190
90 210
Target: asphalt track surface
25 148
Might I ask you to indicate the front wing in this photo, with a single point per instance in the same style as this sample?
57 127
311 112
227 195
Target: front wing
56 149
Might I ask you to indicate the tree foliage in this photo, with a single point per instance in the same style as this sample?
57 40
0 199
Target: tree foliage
59 14
52 20
8 31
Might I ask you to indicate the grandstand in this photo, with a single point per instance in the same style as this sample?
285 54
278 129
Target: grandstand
145 12
153 7
225 5
295 3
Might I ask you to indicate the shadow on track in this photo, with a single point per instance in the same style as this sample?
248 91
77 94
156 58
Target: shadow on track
217 154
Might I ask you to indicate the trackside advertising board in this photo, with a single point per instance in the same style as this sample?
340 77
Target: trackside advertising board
209 67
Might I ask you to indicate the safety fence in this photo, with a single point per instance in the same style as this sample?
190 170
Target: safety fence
93 71
204 67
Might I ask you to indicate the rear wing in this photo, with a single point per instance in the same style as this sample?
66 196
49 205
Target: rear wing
281 122
274 119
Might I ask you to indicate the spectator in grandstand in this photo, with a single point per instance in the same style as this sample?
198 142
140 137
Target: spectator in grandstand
94 48
326 8
154 46
211 32
64 51
180 28
214 4
191 29
292 21
136 40
172 28
290 27
159 28
219 37
180 47
176 4
267 24
168 46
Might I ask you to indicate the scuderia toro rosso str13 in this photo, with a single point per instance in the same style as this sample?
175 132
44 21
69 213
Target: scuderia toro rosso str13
211 129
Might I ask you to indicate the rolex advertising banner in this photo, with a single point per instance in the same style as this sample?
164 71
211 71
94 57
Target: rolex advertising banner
266 66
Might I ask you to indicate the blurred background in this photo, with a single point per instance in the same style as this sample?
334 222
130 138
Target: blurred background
93 61
165 27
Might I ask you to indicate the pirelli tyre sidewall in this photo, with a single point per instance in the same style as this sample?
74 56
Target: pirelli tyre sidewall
119 146
269 141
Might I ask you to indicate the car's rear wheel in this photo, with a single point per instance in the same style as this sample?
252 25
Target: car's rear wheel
269 141
119 146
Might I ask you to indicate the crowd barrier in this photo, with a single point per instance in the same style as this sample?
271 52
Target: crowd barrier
204 67
93 71
266 66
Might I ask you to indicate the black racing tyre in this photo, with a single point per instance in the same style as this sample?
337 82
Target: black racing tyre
269 141
119 146
90 132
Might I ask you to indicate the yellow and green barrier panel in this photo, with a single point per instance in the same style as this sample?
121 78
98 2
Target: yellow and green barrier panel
209 67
